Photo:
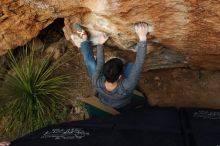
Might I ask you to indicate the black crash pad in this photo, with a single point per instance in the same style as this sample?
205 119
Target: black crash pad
203 125
153 127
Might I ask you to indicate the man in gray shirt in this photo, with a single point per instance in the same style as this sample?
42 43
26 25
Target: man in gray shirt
113 81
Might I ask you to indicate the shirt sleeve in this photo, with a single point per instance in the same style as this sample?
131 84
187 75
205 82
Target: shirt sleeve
100 62
131 81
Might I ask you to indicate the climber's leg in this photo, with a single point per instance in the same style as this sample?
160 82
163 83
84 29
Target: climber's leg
137 103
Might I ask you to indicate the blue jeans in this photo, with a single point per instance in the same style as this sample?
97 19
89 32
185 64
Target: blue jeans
88 55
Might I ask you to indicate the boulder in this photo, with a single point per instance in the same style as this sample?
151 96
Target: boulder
191 27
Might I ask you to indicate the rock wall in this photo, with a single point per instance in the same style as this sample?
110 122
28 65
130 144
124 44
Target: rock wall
191 27
182 88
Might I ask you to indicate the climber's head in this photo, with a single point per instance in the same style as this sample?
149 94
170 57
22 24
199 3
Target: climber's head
113 70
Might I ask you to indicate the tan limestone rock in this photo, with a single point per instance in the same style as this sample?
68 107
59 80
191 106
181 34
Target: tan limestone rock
191 27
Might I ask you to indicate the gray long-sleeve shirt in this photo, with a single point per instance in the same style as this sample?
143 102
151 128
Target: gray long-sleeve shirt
121 95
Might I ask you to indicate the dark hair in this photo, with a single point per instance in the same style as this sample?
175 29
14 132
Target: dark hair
113 69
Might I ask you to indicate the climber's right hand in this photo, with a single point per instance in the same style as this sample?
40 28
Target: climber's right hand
141 29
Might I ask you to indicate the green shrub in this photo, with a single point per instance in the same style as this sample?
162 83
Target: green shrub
32 95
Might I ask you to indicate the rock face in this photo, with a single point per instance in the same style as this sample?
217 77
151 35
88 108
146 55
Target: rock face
182 88
191 27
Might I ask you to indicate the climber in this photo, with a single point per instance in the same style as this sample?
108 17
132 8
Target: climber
114 82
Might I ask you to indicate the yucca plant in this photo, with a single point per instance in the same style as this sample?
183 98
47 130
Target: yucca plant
31 94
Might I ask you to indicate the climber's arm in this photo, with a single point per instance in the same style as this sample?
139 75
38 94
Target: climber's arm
131 81
100 60
99 57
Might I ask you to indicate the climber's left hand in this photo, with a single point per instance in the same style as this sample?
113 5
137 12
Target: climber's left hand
102 38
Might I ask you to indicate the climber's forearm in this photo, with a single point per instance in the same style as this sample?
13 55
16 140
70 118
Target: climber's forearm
134 75
100 62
